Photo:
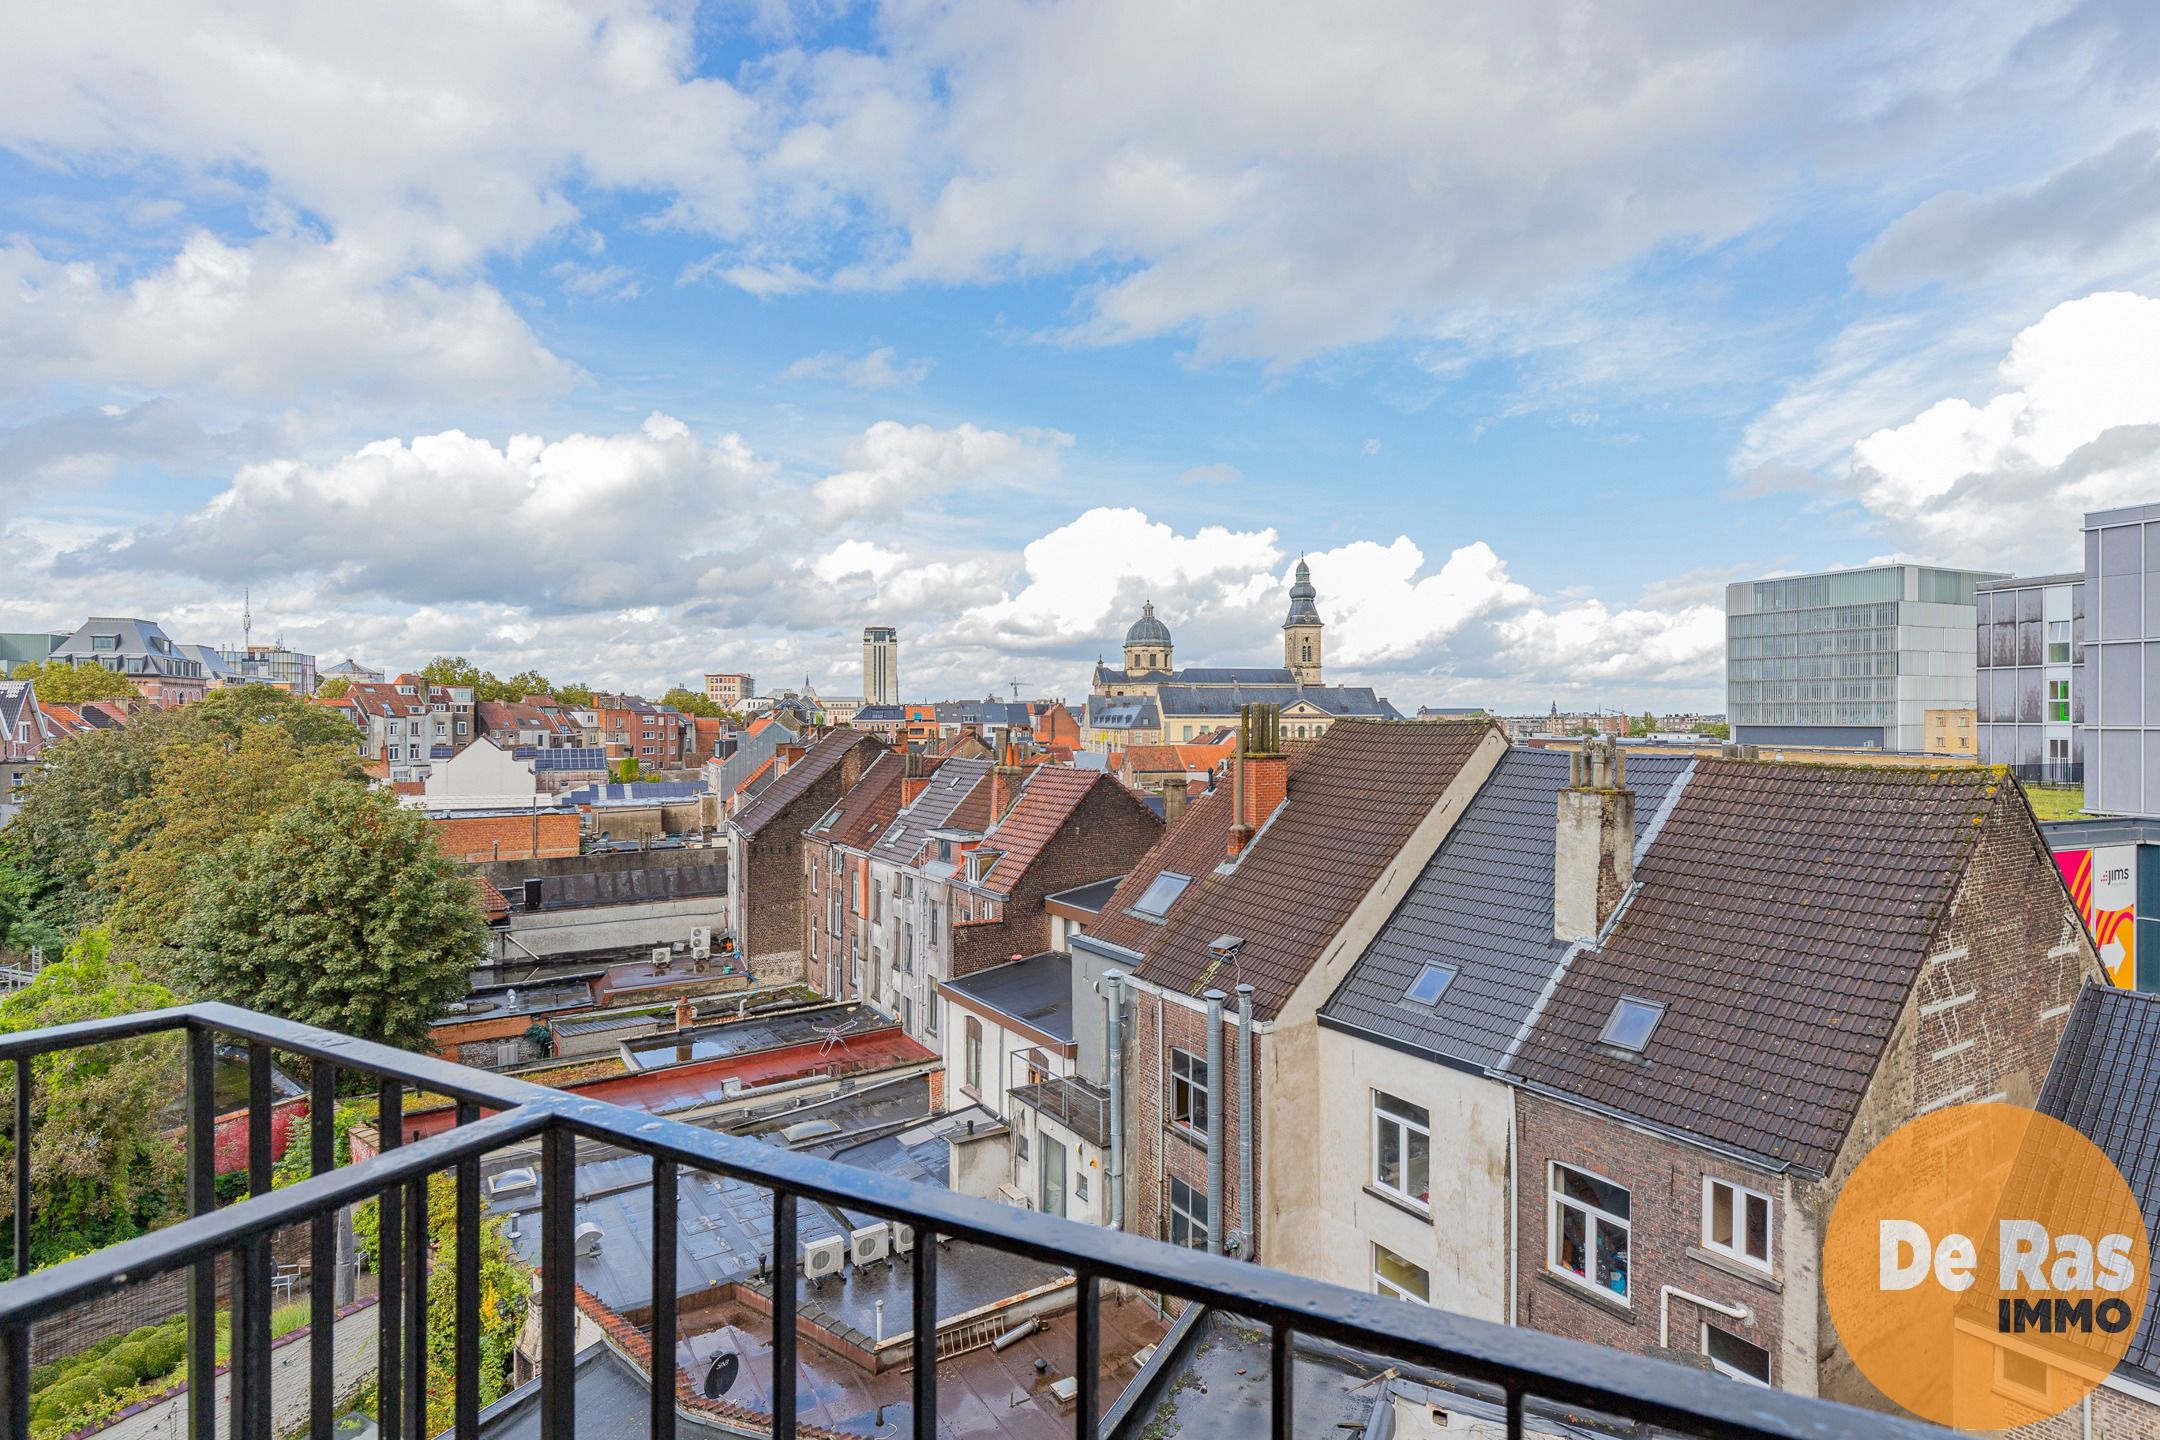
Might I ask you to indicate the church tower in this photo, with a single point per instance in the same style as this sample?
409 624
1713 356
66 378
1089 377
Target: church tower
1147 644
1301 631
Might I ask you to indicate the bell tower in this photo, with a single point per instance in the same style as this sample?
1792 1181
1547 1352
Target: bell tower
1301 631
1147 645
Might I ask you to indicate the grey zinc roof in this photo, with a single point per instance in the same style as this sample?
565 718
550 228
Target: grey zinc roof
1227 700
1484 904
1036 991
954 781
1122 712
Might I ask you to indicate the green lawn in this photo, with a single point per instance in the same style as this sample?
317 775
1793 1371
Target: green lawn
2055 803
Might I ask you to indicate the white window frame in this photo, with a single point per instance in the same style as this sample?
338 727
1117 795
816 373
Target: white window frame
1737 1251
1729 1372
1198 1090
1384 1286
1593 1217
1384 1118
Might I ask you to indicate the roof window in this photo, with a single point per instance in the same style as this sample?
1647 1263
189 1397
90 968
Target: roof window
1162 892
1432 982
1631 1025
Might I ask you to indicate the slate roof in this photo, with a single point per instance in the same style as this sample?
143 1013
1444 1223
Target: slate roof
2106 1070
1483 904
1080 1107
1781 916
1051 795
1092 896
865 811
1123 712
1352 801
933 808
804 773
984 712
1229 699
1036 991
1194 846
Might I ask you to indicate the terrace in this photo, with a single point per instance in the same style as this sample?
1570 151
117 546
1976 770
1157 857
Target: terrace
600 1373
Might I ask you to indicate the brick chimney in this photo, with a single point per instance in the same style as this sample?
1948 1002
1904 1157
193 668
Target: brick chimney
1259 773
1593 840
1173 802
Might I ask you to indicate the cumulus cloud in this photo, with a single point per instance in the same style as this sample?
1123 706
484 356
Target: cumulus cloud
2075 425
879 369
894 464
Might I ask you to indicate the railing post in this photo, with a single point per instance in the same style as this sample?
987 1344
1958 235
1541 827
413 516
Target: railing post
389 1267
258 1119
926 1328
201 1200
1087 1346
1282 1382
784 1285
322 1258
24 1078
249 1364
416 1307
467 1318
558 1284
664 1288
15 1381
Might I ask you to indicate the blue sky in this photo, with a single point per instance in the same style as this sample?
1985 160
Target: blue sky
630 342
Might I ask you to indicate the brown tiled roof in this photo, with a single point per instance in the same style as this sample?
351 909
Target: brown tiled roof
1354 798
1195 845
800 776
865 811
1053 793
1782 915
1151 758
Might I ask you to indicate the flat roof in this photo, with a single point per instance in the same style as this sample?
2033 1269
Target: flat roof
760 1032
1036 991
1090 898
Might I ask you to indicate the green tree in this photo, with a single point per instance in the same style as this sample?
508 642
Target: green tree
203 794
1643 724
341 912
1715 729
576 696
60 683
22 926
334 688
690 702
521 685
101 1168
453 670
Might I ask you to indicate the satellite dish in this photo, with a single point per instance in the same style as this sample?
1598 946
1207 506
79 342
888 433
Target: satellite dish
721 1377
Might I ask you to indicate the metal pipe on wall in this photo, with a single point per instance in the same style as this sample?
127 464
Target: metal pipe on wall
1248 1202
1114 1044
1215 1088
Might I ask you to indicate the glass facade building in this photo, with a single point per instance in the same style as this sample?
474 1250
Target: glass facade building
2122 661
1850 658
2029 652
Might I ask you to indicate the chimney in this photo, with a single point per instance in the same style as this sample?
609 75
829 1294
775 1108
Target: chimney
1260 773
1593 840
1173 802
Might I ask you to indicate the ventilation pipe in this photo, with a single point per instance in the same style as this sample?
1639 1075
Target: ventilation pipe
1215 1091
1248 1201
1114 1045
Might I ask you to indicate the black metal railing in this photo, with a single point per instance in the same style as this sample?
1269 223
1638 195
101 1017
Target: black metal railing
495 1111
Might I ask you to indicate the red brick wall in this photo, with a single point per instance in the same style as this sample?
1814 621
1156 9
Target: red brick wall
506 837
1156 1149
1106 835
773 902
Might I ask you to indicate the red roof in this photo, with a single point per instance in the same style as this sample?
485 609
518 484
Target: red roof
1194 846
1052 794
862 815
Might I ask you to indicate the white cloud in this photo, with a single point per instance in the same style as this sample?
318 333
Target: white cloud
2001 484
878 369
894 464
266 322
1216 474
1369 448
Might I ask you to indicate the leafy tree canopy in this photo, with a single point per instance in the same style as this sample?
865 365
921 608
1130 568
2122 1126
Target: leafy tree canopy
101 1167
334 688
690 702
63 684
341 912
457 670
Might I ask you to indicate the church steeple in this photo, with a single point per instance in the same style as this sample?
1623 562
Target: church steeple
1301 630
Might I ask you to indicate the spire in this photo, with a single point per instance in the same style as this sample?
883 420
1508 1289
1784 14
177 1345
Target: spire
1302 595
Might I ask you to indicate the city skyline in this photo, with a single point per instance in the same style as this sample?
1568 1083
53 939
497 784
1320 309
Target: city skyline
780 338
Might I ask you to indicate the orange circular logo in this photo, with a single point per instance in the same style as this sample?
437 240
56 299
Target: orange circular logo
1986 1266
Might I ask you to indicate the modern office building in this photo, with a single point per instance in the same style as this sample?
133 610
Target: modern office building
880 665
728 688
1852 659
2029 659
2122 661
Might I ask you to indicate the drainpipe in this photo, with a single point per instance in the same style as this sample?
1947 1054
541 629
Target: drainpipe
1215 1091
1248 1200
1114 1044
1664 1310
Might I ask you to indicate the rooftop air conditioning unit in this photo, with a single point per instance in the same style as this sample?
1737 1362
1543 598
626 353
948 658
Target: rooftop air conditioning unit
903 1238
1014 1196
870 1244
662 957
821 1258
700 942
513 1182
586 1242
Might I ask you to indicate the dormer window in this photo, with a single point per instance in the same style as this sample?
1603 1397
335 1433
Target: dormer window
104 642
1631 1024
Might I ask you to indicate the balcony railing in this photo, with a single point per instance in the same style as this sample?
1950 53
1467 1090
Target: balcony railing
495 1111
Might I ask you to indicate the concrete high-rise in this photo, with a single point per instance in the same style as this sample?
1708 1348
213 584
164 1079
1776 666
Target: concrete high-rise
880 665
1853 658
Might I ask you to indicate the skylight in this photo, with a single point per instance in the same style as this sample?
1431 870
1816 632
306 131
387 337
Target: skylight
1631 1024
1161 894
1431 983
